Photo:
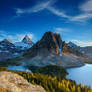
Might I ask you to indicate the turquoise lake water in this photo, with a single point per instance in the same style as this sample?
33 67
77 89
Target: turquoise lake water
82 75
19 68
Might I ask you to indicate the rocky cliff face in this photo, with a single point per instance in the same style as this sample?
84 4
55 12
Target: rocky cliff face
58 39
11 82
49 42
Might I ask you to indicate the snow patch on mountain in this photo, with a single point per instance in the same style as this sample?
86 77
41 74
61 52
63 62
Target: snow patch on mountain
26 43
10 50
60 51
22 45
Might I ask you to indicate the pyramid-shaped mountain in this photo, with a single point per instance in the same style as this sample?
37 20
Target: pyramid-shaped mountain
6 42
25 44
27 40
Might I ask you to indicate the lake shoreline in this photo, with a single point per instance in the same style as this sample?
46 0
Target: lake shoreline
74 66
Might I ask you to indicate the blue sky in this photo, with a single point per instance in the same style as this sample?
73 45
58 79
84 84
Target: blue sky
71 18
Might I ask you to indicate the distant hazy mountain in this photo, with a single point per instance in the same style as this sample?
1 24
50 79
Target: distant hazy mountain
9 50
72 49
85 50
71 44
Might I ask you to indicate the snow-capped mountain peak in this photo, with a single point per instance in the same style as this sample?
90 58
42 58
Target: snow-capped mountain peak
6 41
25 43
27 40
9 50
71 44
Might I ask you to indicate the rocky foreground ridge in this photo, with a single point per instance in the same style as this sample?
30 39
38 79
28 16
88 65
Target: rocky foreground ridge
11 82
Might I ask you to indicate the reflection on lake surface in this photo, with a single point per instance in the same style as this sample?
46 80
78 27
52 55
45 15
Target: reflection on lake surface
19 68
82 75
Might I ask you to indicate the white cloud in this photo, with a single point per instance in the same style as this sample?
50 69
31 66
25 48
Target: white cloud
57 12
61 30
15 37
87 6
42 6
38 7
64 32
21 36
82 17
86 9
2 33
79 18
19 11
82 43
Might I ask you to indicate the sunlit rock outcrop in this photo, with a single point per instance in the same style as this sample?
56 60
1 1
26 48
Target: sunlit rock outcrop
11 82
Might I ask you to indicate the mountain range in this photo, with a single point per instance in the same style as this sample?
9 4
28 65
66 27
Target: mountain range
85 50
10 50
51 49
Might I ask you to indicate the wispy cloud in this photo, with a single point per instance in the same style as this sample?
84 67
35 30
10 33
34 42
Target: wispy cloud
82 17
64 32
21 36
58 12
38 7
85 8
79 18
48 5
82 43
15 37
2 33
61 30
